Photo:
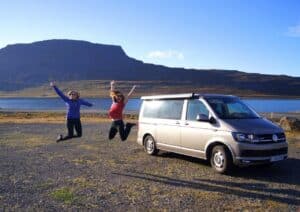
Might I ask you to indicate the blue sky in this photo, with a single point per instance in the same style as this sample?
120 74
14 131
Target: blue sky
261 36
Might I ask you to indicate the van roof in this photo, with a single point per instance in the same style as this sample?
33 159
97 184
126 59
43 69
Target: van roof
185 96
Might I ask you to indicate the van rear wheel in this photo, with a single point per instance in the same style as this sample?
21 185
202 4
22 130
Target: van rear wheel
149 145
220 159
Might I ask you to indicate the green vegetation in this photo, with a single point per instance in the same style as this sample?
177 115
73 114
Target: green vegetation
64 194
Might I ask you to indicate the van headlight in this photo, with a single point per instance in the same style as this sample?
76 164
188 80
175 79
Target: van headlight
244 137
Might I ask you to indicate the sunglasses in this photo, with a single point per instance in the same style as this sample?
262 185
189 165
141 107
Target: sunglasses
72 94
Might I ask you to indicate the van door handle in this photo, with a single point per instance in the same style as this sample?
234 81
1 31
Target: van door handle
177 122
186 124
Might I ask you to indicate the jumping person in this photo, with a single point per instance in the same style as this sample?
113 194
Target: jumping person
116 113
73 103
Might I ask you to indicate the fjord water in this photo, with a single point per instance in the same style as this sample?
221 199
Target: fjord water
41 104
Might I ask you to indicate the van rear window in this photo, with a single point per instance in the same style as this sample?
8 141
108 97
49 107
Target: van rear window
163 109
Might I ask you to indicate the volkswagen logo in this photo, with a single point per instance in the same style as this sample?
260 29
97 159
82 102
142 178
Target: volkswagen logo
275 138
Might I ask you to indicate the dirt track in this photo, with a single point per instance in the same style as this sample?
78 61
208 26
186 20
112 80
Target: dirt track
94 173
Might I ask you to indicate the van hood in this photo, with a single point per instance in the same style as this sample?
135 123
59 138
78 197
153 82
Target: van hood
255 126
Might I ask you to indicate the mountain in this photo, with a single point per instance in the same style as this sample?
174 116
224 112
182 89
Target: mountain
31 65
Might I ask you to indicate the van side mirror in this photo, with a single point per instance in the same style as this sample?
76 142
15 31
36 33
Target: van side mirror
205 118
202 117
212 120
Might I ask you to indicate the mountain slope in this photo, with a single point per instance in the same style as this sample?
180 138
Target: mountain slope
29 65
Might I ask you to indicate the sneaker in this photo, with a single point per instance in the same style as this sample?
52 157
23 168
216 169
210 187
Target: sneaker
59 138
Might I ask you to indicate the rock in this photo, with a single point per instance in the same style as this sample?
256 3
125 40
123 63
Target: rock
290 123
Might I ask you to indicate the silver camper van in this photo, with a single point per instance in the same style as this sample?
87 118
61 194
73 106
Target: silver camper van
219 128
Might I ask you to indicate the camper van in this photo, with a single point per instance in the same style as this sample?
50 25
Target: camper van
218 128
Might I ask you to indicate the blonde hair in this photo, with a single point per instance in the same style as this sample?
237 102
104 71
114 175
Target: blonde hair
76 93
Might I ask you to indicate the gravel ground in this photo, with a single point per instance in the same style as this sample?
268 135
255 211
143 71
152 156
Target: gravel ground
36 173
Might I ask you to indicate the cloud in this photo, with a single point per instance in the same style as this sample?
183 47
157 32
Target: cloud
165 55
294 31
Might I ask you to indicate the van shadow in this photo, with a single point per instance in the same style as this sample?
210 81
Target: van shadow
287 171
245 190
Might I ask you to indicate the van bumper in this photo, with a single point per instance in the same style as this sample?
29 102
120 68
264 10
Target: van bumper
247 161
252 154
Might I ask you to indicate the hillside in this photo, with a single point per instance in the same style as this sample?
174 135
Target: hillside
24 66
100 88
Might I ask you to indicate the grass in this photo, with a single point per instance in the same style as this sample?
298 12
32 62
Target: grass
64 195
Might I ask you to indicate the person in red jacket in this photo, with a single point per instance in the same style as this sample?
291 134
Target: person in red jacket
119 102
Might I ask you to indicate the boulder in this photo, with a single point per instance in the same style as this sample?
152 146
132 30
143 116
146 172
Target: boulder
290 123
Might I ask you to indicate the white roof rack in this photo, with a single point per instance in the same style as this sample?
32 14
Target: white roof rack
171 96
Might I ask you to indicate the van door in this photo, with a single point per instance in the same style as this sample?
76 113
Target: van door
168 124
195 134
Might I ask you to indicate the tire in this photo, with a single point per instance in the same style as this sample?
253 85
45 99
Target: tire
149 145
221 159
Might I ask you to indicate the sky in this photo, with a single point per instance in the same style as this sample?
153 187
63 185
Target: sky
259 36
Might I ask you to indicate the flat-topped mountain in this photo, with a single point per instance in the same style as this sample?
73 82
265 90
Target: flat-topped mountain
31 65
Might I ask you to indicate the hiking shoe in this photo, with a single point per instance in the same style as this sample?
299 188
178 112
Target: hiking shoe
59 138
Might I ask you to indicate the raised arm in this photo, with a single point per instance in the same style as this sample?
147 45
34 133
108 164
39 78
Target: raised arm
129 94
86 103
112 89
59 92
112 86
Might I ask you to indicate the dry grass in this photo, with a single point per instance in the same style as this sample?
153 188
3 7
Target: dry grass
100 88
53 117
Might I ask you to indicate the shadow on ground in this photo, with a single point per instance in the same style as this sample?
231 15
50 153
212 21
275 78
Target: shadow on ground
246 190
287 171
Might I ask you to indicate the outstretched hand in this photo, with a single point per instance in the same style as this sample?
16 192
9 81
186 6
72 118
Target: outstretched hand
131 91
52 84
112 85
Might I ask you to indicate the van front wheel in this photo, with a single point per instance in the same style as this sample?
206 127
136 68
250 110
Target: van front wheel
149 145
220 159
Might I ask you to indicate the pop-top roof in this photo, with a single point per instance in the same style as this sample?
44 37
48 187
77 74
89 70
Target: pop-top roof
183 96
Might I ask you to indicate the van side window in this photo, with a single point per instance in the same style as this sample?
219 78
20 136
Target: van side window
151 109
195 107
171 109
163 109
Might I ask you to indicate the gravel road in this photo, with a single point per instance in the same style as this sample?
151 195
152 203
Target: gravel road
94 173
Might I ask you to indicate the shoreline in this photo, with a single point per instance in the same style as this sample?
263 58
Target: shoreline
94 115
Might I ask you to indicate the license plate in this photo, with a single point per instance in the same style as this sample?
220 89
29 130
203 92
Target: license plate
277 158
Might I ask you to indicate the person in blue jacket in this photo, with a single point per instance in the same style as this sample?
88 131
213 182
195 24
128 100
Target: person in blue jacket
73 103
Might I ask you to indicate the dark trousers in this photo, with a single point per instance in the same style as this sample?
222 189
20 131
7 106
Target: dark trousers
71 124
119 126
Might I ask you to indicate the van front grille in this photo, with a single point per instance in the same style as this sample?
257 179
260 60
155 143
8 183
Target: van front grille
268 138
264 153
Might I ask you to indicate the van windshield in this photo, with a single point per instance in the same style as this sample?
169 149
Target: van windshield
231 108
